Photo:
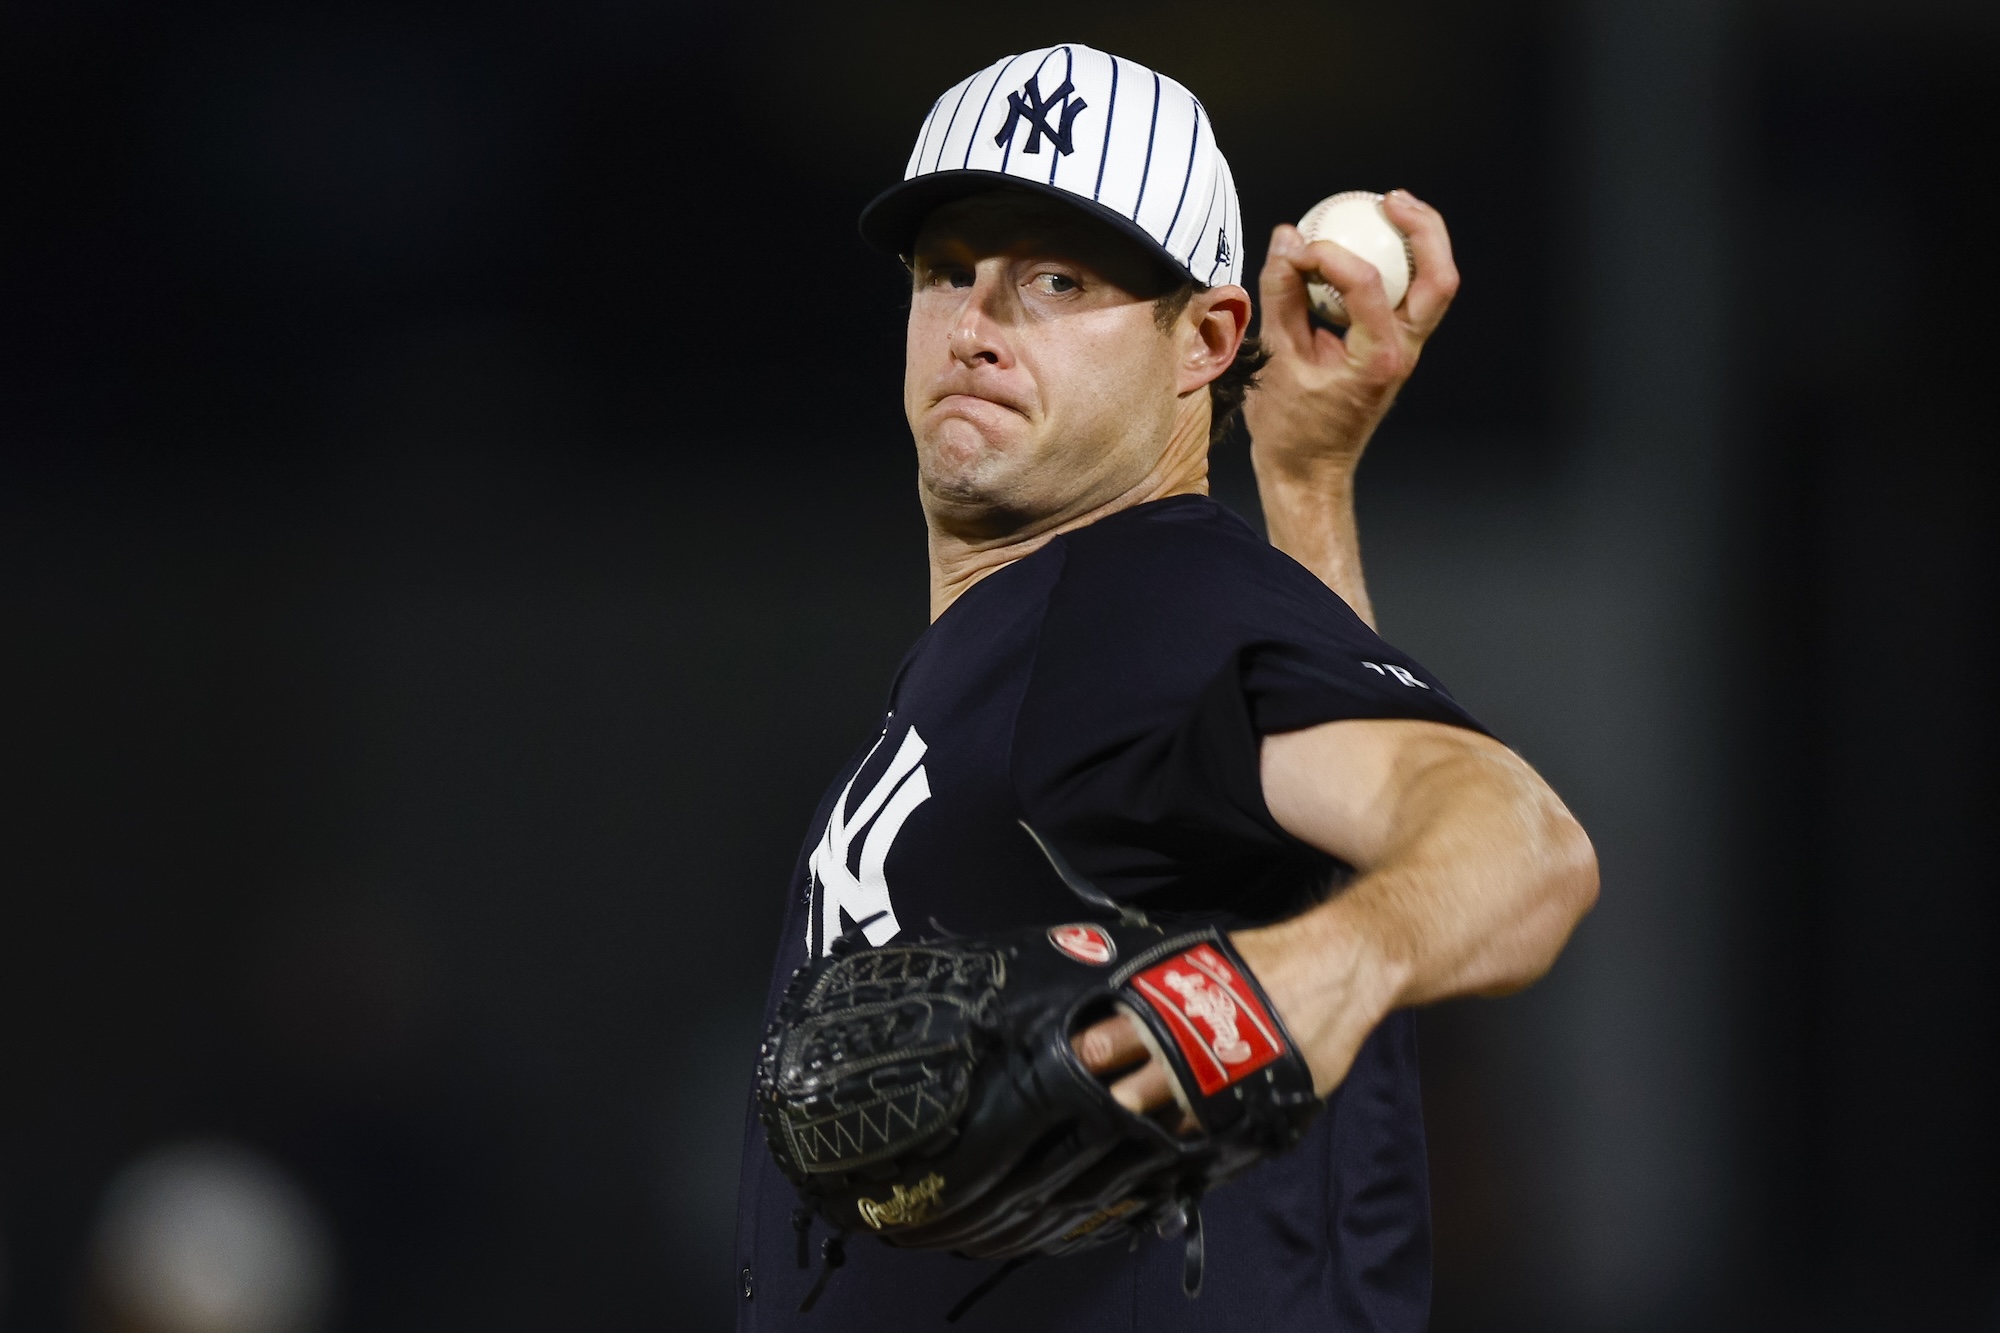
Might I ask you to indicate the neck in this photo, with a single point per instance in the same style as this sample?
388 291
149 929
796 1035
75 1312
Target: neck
959 560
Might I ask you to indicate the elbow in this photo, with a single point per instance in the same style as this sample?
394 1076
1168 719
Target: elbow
1569 886
1577 876
1565 888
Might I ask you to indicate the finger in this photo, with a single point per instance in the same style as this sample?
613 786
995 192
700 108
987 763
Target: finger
1436 279
1144 1090
1110 1045
1360 286
1281 290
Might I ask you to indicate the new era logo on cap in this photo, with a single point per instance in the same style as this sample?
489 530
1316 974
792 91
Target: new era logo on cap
1116 138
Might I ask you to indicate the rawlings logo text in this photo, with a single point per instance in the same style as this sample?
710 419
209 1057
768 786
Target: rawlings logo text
1222 1030
904 1206
1212 1005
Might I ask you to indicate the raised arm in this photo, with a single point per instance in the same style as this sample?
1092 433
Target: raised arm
1319 400
1470 872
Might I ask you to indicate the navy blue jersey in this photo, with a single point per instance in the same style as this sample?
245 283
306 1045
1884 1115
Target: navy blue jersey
1110 690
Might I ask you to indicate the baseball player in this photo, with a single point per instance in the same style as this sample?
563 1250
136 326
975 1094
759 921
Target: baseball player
1196 727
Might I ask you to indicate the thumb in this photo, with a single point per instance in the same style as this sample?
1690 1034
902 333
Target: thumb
1281 290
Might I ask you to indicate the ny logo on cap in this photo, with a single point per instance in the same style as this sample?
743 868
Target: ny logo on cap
1031 106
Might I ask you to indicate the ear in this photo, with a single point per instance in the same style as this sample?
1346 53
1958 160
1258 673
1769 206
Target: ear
1209 333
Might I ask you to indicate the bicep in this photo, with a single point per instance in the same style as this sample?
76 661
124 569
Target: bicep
1357 789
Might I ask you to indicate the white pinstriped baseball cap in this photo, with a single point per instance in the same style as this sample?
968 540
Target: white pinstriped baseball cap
1126 144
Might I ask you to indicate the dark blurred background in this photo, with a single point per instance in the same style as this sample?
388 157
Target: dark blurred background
455 516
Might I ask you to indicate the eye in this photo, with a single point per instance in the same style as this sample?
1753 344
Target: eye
1053 284
947 275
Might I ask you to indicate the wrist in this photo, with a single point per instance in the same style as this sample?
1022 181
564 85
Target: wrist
1330 983
1306 491
1311 472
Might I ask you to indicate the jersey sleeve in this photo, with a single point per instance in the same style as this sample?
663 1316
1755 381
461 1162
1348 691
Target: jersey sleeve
1170 647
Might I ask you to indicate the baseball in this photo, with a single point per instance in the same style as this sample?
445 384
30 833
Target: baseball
1354 220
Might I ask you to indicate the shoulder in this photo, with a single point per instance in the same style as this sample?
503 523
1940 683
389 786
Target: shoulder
1152 605
1180 527
1188 565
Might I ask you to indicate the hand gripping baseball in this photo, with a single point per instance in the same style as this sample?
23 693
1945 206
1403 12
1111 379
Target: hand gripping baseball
1321 396
928 1092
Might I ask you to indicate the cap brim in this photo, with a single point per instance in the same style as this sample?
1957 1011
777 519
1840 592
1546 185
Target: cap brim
893 218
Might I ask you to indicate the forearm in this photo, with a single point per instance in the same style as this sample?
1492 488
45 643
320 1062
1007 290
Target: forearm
1477 882
1309 512
1322 394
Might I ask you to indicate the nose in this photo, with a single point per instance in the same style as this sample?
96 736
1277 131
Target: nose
977 337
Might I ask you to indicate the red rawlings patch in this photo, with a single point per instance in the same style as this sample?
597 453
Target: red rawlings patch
1085 943
1222 1030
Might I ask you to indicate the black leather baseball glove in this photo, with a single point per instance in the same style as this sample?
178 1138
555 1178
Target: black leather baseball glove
926 1092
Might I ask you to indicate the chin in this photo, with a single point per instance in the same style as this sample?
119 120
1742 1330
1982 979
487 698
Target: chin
975 490
959 457
966 481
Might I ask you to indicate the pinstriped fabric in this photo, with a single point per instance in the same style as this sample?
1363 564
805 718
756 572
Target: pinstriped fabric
1199 119
951 127
1187 177
1078 171
1041 70
1102 128
1216 248
1152 137
1207 216
974 134
1110 116
923 138
1174 138
1069 76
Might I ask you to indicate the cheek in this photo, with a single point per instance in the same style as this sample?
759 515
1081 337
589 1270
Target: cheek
1110 372
917 337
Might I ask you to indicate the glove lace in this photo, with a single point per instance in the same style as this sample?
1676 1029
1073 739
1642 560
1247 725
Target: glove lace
833 1253
986 1285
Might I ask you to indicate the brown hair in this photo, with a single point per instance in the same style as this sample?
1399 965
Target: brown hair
1226 391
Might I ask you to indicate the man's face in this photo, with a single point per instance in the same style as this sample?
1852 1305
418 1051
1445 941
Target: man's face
1037 382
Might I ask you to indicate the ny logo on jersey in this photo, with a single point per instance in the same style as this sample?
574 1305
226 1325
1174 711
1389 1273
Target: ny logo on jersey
1031 106
863 892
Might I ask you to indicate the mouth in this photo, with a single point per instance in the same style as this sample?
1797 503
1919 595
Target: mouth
981 413
972 404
